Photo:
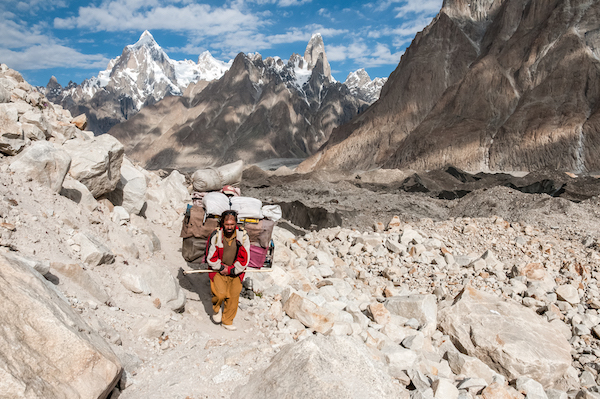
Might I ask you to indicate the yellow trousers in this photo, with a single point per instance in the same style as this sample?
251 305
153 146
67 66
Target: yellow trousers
226 290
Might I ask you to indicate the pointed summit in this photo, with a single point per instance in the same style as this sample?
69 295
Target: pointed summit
315 48
146 39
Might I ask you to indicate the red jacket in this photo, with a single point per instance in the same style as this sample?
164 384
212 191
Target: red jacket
214 253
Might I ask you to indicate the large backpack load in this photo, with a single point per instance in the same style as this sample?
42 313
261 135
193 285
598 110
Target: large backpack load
202 218
195 230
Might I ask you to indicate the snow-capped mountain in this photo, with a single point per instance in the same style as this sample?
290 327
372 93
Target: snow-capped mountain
360 84
260 109
143 74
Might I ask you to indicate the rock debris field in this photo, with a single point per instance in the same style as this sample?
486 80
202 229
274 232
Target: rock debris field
493 295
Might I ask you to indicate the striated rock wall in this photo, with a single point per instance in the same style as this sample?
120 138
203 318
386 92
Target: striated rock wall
488 85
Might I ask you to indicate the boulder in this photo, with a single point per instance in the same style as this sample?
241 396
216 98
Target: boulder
155 280
96 163
80 121
47 350
32 132
511 339
131 189
10 146
44 163
420 307
4 95
93 251
170 191
308 313
82 278
37 118
78 193
321 367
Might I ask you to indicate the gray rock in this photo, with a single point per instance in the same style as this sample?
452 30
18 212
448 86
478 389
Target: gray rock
568 293
556 394
155 280
421 307
321 368
44 164
96 163
78 193
444 389
399 358
51 352
508 337
171 189
531 388
470 366
149 327
131 189
93 251
309 313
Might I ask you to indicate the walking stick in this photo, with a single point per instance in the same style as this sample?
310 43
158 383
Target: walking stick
214 271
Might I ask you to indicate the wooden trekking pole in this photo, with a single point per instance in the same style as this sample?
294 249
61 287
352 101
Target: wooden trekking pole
214 271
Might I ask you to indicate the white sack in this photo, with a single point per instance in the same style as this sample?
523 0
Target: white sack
215 203
272 212
247 207
213 179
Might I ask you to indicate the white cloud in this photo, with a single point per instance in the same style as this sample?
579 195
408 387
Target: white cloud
141 15
418 7
50 56
363 54
281 3
24 48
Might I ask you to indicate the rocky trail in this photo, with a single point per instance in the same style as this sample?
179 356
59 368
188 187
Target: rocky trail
375 292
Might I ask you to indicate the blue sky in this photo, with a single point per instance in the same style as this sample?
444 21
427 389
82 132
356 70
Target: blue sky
74 40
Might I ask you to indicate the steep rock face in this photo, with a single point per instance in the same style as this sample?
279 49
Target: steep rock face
259 109
488 85
142 75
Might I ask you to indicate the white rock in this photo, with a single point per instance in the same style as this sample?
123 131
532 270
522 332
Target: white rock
321 367
444 389
44 164
309 313
568 293
421 307
41 323
78 193
93 251
509 337
96 163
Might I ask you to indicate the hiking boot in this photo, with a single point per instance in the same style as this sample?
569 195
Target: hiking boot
217 317
229 327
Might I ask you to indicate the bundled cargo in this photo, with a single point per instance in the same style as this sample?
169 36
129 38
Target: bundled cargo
259 233
246 207
201 220
212 179
215 203
195 230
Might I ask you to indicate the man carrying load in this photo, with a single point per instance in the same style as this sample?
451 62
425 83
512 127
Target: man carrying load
228 254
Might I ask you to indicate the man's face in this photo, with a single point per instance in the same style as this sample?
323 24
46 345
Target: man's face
229 224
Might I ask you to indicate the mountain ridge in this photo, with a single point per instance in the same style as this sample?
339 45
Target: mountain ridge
509 85
259 109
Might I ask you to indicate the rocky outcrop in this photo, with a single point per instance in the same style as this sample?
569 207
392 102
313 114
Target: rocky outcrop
43 163
46 349
319 367
485 327
488 85
260 109
96 163
142 75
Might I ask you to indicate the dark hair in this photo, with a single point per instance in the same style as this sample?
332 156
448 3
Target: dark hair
229 212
